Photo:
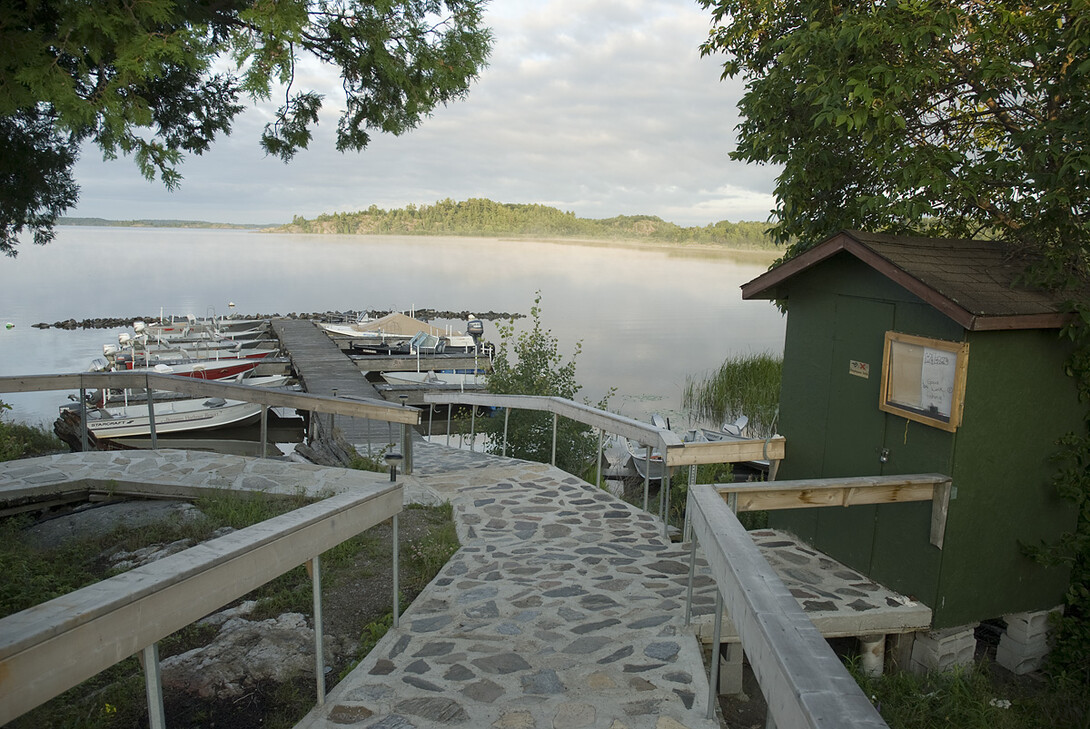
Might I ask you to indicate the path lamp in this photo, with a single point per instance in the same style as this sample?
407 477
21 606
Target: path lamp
392 460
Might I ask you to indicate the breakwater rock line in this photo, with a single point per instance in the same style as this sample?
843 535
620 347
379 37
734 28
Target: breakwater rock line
423 314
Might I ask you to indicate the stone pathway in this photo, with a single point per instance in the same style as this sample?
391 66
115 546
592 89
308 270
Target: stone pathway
563 608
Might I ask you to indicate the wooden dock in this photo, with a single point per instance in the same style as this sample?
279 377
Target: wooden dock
323 369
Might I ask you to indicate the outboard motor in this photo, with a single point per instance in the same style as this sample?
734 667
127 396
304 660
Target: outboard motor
475 328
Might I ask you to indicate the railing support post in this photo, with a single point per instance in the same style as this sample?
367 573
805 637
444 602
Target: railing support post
315 570
647 479
556 418
450 407
264 430
717 641
687 532
151 413
153 683
472 427
397 569
407 449
84 441
689 587
601 437
506 415
664 498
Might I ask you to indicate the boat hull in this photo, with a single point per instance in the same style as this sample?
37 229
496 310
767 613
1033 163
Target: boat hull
170 417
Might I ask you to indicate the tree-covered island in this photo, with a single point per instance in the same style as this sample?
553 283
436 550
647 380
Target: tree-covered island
483 217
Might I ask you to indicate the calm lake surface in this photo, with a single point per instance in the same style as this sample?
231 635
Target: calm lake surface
647 319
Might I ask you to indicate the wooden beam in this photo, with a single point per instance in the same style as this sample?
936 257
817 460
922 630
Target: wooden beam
726 451
811 493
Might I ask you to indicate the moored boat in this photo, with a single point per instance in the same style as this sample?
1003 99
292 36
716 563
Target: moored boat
174 416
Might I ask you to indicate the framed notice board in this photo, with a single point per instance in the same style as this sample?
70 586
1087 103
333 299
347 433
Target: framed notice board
923 379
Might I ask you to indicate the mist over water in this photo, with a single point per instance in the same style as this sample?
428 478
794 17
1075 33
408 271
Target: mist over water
646 318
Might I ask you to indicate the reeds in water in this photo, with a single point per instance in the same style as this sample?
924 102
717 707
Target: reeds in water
743 385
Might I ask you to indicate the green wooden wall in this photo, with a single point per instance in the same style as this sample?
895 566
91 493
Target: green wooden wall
1018 401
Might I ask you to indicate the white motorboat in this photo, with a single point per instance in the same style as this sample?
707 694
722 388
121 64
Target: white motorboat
397 329
174 416
431 377
638 454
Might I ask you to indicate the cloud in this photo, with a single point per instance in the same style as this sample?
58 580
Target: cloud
602 107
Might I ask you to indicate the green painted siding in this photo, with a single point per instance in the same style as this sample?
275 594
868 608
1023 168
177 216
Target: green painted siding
1017 403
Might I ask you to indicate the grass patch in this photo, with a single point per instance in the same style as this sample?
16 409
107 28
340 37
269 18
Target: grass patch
976 697
25 441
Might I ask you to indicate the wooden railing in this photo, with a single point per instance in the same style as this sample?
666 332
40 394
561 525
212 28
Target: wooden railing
52 647
849 491
151 381
804 682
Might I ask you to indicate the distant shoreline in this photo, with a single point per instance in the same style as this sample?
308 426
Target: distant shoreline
759 255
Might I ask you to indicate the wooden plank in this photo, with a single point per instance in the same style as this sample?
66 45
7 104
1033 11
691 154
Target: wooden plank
727 451
51 647
787 497
802 679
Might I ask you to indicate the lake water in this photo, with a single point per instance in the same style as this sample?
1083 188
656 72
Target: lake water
647 319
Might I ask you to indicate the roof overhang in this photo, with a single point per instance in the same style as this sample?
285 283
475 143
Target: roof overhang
767 286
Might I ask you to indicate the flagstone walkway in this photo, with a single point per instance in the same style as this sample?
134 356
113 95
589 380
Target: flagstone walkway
562 609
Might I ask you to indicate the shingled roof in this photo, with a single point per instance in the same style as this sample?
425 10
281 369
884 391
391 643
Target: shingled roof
971 281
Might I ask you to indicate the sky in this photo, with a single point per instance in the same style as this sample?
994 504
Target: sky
597 107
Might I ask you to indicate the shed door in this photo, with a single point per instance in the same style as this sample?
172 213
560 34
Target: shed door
854 426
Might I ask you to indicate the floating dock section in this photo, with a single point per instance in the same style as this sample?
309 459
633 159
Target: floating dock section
323 369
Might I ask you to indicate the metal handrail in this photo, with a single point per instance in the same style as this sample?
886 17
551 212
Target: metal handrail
104 623
803 680
371 409
674 450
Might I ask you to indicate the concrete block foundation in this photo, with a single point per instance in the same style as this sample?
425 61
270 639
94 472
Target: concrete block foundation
1024 645
941 650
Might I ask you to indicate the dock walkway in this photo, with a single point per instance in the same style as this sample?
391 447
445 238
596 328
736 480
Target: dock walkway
323 368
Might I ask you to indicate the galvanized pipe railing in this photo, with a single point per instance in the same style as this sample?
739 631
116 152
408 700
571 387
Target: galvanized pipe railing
51 647
151 381
675 452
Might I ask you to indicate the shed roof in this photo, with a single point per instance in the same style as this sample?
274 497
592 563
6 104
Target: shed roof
971 281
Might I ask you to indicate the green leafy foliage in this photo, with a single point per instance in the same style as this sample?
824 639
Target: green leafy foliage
957 118
963 119
161 78
484 217
25 441
530 363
